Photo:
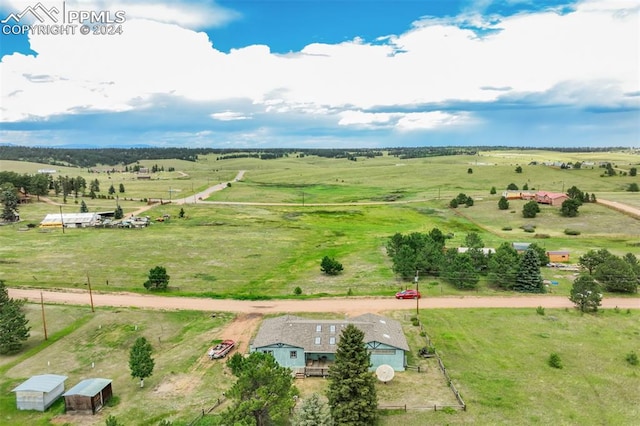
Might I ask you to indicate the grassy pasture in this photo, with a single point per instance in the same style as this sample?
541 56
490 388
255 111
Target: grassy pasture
253 250
183 382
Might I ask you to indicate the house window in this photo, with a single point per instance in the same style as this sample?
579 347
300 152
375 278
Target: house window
332 340
317 340
293 354
266 351
332 328
318 328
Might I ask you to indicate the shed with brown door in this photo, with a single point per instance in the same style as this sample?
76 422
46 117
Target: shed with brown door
88 396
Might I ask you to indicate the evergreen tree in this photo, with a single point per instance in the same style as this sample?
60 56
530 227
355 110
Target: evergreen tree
83 207
330 266
10 205
569 207
586 293
458 269
503 266
112 190
14 329
313 412
616 275
529 279
158 279
140 361
352 392
121 189
263 394
503 203
118 214
530 209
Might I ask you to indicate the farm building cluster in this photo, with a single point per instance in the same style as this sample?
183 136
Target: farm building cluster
40 392
92 220
541 197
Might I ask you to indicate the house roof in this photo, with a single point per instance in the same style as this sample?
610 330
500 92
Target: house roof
304 332
552 195
41 383
69 218
520 246
485 250
88 387
558 252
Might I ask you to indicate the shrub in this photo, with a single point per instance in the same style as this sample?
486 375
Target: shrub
571 232
554 361
540 310
542 236
297 291
632 358
507 228
528 229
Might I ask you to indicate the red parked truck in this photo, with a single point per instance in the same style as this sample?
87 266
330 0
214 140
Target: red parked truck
221 349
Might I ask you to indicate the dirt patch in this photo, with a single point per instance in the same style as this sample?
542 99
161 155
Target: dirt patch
242 329
179 384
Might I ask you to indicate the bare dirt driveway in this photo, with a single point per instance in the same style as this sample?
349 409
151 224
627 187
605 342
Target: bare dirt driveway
349 306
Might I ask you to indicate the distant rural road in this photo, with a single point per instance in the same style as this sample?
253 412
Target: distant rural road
352 305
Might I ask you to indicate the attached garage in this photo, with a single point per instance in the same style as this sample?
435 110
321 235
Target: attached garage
88 396
39 392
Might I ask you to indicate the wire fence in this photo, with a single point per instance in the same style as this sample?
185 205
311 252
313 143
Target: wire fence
432 353
204 412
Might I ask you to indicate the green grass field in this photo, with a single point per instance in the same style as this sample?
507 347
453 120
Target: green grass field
222 250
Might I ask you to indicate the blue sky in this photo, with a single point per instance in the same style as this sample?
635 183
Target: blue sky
325 74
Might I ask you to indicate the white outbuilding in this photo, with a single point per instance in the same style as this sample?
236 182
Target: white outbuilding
70 220
39 392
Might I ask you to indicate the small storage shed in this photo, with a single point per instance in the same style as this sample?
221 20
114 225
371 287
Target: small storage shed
558 256
88 396
39 392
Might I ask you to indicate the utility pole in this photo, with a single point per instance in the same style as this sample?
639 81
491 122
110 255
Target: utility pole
90 292
44 322
417 294
61 219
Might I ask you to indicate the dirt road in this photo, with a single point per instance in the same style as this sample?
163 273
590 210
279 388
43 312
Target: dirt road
350 306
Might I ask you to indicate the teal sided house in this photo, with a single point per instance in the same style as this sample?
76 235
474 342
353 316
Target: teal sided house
308 346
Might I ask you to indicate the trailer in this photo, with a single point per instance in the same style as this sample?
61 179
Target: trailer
221 349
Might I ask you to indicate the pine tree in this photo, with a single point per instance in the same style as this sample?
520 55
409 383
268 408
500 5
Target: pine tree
529 279
263 394
140 361
313 412
83 207
503 203
503 266
14 327
352 392
10 205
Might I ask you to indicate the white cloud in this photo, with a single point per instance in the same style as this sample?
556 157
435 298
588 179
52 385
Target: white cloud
229 116
363 118
547 56
430 120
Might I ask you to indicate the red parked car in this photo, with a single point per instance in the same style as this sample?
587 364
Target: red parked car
408 294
